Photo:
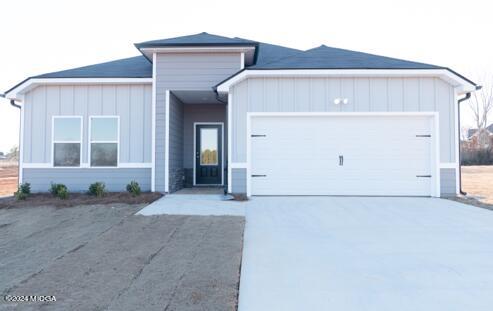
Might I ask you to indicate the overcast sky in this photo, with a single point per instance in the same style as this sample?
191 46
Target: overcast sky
44 36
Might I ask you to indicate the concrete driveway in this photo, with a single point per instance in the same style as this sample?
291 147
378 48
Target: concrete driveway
340 253
107 258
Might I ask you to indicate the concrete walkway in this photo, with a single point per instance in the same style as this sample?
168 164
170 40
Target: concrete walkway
194 204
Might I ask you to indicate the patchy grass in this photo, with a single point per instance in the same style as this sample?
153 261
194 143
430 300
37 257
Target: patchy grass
8 178
477 181
75 199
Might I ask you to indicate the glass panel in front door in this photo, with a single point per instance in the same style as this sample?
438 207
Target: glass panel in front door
208 146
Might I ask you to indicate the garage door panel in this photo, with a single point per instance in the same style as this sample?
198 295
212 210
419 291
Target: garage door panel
381 155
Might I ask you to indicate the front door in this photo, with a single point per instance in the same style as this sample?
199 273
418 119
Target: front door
208 154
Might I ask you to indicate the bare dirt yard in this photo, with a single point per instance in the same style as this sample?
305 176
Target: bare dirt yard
103 257
8 178
477 181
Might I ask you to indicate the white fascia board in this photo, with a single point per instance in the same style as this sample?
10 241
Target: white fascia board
462 85
32 83
215 49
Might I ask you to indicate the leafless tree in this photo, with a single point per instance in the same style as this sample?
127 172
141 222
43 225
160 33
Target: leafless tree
481 105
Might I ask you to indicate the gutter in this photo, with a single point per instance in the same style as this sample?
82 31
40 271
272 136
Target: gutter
468 95
12 102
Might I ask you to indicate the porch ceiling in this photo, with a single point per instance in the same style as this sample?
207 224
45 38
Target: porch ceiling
198 97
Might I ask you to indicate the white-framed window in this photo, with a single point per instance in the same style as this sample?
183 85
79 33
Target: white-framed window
104 141
66 137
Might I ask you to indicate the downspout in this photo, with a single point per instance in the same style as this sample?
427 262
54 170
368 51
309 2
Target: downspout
225 182
468 95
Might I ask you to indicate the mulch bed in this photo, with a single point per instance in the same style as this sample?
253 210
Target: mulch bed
75 199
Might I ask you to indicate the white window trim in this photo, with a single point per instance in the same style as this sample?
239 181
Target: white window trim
195 150
434 118
89 140
61 142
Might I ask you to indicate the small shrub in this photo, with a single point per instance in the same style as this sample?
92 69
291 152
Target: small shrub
59 190
25 188
133 188
23 191
97 189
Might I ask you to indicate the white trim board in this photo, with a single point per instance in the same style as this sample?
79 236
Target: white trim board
195 150
86 166
434 118
33 82
166 143
460 84
153 121
229 107
21 144
449 165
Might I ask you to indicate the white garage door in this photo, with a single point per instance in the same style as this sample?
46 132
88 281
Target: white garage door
342 155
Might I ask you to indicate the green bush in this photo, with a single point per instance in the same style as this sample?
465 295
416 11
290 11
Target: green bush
59 190
23 191
97 189
133 188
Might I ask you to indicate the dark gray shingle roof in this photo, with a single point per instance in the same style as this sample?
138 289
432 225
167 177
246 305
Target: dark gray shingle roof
133 67
200 39
267 53
325 57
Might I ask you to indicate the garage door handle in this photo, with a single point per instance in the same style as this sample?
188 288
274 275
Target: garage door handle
423 135
259 175
423 176
341 160
257 135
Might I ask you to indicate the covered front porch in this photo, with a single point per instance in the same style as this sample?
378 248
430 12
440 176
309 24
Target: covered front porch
197 138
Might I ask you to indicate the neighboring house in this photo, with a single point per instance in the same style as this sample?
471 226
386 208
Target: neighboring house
471 132
477 141
258 118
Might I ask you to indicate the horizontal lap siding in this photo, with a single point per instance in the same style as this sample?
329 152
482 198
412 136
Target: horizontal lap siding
238 180
176 175
131 102
447 181
78 180
194 71
185 71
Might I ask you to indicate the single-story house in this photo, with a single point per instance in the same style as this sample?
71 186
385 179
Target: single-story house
256 118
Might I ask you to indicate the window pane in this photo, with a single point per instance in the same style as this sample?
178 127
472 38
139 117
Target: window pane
66 129
208 146
67 154
104 129
104 154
